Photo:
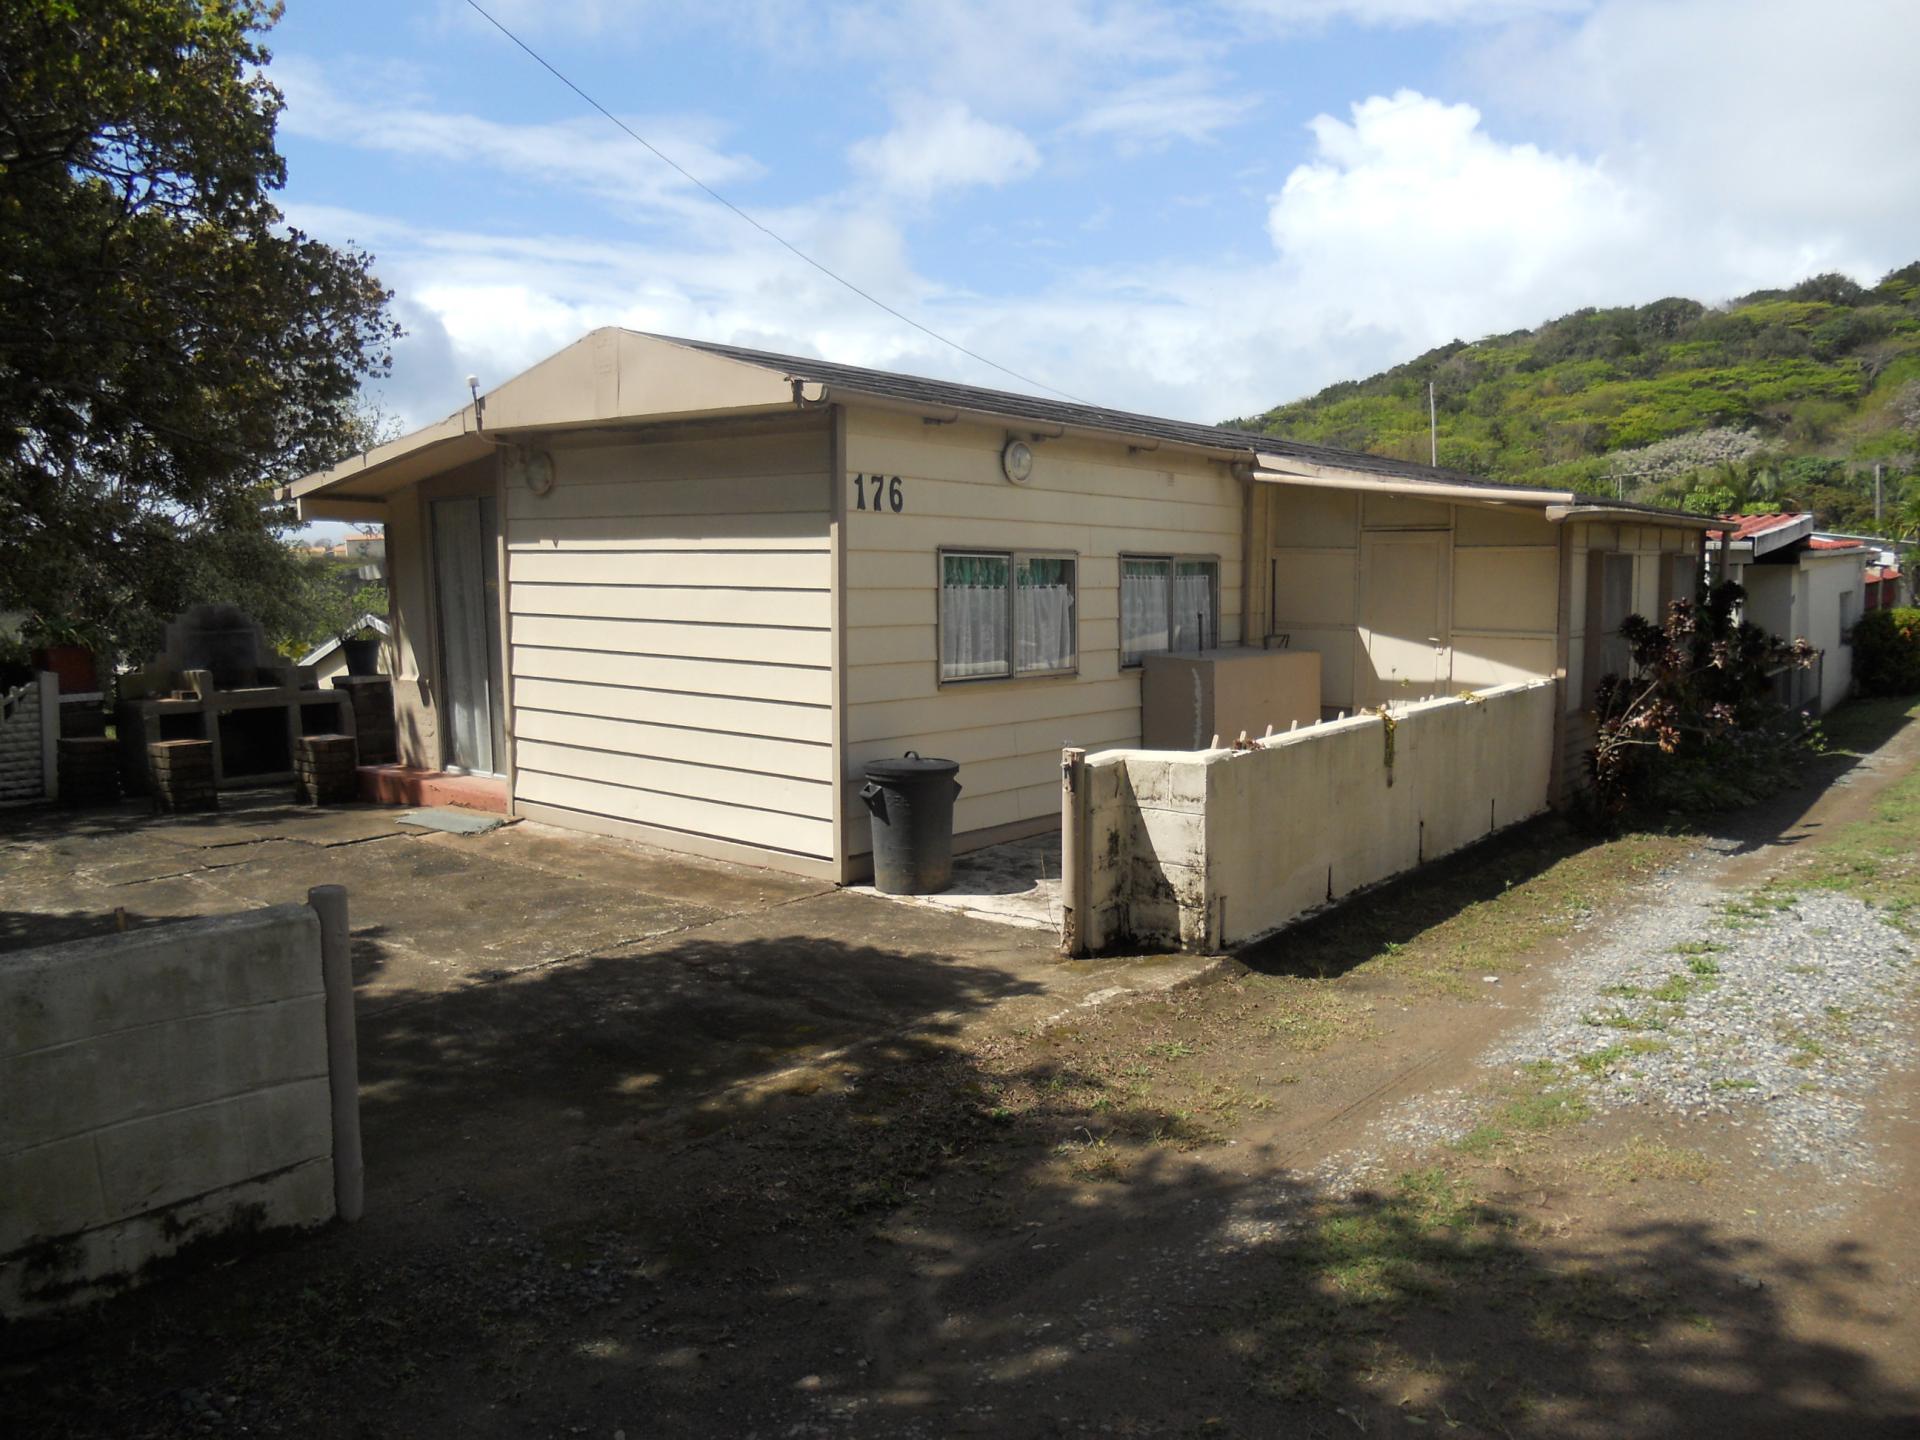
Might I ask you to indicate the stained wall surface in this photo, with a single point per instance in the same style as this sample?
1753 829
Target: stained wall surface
1202 851
162 1087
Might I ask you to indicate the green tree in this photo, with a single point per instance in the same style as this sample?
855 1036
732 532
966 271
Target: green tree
170 349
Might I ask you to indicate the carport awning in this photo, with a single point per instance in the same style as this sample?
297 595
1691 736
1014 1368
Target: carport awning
1560 505
1287 470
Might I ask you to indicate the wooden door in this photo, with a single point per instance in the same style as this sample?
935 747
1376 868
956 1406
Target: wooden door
1404 628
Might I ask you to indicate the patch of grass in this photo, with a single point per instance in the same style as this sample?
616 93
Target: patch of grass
1678 989
1643 1159
1528 889
1698 947
1731 1082
1597 1062
1341 1294
1877 859
1309 1018
1483 1140
1094 1158
1169 1049
1543 1110
1860 726
1808 1048
1756 908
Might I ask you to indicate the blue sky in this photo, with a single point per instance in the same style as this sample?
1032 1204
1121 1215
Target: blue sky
1197 210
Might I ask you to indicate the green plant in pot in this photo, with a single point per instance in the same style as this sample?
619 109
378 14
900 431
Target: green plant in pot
362 649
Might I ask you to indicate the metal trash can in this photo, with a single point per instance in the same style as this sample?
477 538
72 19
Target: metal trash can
912 805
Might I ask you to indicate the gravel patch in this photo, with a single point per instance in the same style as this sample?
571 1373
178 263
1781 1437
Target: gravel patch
1771 1012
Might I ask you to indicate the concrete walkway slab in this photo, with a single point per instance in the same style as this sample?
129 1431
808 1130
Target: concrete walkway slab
1017 883
451 821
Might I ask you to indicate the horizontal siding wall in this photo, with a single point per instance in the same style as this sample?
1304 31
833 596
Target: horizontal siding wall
1096 501
671 638
1500 612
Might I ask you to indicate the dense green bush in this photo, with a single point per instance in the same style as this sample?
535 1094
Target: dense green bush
1886 652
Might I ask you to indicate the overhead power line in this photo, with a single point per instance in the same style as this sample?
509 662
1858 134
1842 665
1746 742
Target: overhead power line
771 234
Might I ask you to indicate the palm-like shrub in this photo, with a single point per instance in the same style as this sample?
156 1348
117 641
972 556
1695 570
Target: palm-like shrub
1695 725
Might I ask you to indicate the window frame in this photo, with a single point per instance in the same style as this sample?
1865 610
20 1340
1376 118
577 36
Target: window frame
1174 560
1013 559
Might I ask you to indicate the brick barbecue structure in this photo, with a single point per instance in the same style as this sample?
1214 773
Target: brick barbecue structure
181 772
323 770
218 681
373 726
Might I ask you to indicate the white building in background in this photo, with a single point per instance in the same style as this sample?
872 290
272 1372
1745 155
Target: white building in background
1799 586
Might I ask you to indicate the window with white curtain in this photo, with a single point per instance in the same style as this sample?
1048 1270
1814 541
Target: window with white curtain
1007 613
1167 602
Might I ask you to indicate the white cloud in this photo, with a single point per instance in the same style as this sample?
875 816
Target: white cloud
1772 122
1411 217
1150 114
1015 57
940 146
1302 14
586 154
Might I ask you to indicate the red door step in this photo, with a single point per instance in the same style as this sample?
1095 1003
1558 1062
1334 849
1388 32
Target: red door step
405 785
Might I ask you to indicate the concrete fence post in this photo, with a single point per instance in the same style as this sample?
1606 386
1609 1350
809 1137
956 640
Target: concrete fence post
1073 838
329 902
49 735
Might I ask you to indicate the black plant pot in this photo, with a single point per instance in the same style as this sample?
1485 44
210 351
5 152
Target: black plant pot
363 656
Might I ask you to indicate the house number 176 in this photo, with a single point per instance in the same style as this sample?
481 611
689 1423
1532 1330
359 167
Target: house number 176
886 495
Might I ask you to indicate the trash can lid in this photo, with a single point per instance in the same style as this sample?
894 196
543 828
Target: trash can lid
909 767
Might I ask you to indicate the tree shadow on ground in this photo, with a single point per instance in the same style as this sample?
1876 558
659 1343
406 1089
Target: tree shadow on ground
770 1187
1853 733
1362 925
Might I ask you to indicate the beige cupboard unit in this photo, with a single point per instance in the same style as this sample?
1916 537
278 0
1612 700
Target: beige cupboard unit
717 583
1191 698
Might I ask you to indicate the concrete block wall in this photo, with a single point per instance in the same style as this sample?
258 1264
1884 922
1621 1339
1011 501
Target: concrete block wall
29 725
164 1087
1206 849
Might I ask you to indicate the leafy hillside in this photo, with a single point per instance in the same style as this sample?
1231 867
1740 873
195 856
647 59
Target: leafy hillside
1783 397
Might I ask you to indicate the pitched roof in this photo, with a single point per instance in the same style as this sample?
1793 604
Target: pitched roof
1825 542
1745 527
588 384
944 394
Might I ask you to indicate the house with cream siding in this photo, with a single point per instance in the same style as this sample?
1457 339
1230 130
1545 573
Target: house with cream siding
686 592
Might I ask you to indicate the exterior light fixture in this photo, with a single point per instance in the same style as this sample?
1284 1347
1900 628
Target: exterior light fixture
534 469
1016 461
